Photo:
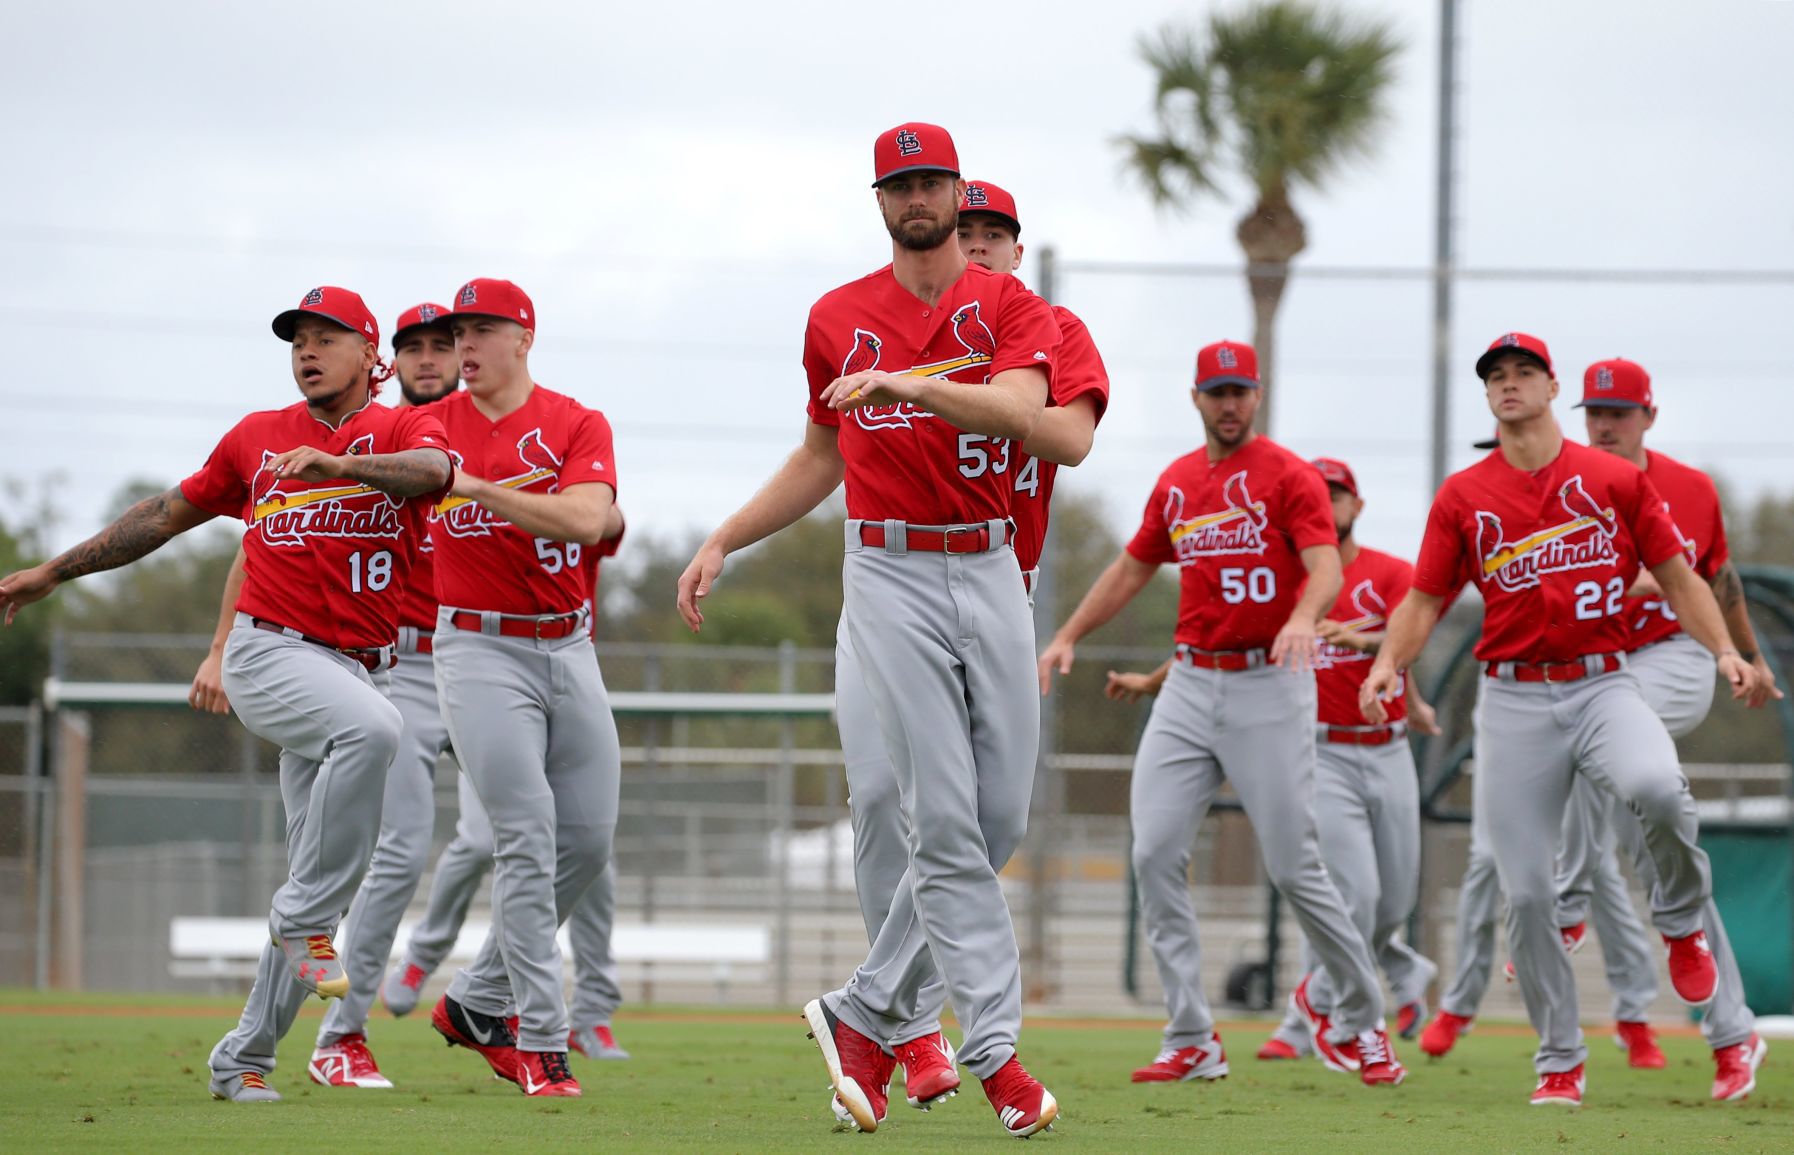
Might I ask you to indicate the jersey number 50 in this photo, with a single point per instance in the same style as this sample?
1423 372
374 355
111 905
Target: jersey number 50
1258 584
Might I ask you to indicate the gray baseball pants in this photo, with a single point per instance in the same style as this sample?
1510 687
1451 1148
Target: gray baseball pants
1532 740
337 735
946 646
532 727
1256 727
402 853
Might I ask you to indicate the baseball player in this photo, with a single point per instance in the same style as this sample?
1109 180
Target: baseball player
1248 523
924 377
1552 533
334 490
989 235
518 679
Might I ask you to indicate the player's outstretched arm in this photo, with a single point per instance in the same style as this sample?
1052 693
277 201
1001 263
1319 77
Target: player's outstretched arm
142 528
1728 590
812 472
1064 433
613 522
1409 627
207 692
577 513
1008 405
1422 718
1294 646
1113 589
1132 687
405 474
1698 611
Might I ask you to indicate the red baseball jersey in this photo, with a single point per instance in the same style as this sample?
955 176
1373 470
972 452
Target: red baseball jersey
1236 528
592 557
484 562
1692 503
1079 373
1553 552
327 558
1375 583
417 608
902 461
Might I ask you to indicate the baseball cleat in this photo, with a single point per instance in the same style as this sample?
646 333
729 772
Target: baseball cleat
1410 1018
1574 939
1022 1105
858 1068
402 988
929 1073
1691 971
1338 1056
1640 1044
313 960
1181 1064
1377 1064
244 1087
489 1035
545 1074
1736 1074
1442 1034
595 1042
1559 1089
347 1063
1276 1048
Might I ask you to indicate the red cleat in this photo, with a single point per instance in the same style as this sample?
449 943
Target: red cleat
1409 1019
545 1073
929 1074
490 1035
1377 1064
1691 970
346 1063
1737 1065
1337 1056
1441 1035
1559 1089
858 1068
1275 1048
1640 1044
1181 1064
1022 1105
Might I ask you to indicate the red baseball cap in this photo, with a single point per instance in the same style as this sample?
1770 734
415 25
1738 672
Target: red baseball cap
344 307
913 148
1616 384
1524 343
424 316
1337 472
984 197
1226 363
486 297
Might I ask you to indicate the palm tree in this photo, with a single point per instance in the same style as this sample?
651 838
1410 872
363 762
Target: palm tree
1281 93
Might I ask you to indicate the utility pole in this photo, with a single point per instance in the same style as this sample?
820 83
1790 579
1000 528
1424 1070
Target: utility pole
1443 259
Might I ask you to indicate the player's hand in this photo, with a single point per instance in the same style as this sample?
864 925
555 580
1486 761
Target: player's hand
307 463
467 485
208 686
1422 718
1057 656
1739 674
1380 685
1343 636
695 583
1132 687
1645 586
1765 690
1295 645
871 388
23 588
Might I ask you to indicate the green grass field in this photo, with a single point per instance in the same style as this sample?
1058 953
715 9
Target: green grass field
125 1073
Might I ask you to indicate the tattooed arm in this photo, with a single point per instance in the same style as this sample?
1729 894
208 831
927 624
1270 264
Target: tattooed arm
404 474
143 528
1728 589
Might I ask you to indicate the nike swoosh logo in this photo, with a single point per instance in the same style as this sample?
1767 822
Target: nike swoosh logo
530 1086
483 1038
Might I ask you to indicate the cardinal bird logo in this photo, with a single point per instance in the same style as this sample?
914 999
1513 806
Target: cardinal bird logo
1237 528
863 357
1369 614
1585 541
286 511
463 517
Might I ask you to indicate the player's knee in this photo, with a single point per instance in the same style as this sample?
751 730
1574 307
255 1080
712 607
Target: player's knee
377 728
1663 801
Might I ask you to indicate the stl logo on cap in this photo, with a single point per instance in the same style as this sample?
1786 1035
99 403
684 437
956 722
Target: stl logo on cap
976 197
1226 359
426 313
470 295
1604 378
1509 340
315 297
908 143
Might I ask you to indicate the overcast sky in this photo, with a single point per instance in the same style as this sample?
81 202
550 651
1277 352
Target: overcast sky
675 184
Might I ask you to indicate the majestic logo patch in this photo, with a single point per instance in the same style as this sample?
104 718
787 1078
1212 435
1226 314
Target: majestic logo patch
908 143
976 197
1585 541
1238 528
463 517
287 511
315 297
469 295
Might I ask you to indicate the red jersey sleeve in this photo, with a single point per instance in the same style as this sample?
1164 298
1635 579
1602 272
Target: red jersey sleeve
1080 371
820 371
1307 509
1442 567
1152 541
590 455
219 486
1641 509
1027 335
418 428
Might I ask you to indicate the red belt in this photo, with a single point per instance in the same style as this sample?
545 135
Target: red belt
372 659
946 539
416 640
1555 671
426 643
1363 735
547 627
1230 660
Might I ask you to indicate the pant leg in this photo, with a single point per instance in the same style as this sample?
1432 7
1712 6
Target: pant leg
1408 972
1395 833
1176 778
1343 829
1584 841
407 821
1293 1028
1264 740
596 991
459 869
1479 904
1524 741
947 647
1626 949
